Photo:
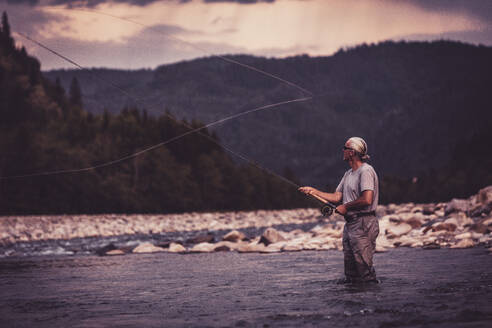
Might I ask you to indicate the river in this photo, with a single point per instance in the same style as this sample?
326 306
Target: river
419 288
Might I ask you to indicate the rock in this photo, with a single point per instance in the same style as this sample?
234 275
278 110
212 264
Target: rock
115 252
452 220
428 209
222 248
480 210
479 228
274 247
485 195
252 247
406 241
226 246
444 226
147 248
293 246
463 235
380 249
464 243
414 222
391 208
234 236
393 231
487 222
206 238
203 248
432 245
456 205
103 250
176 248
271 236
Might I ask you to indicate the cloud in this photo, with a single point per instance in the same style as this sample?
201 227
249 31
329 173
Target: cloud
95 3
481 9
146 49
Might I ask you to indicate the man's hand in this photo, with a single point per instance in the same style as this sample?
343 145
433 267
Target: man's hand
308 190
341 209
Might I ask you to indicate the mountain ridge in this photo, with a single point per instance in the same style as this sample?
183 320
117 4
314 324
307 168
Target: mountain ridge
402 97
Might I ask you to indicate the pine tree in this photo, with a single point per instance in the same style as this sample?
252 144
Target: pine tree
6 40
75 94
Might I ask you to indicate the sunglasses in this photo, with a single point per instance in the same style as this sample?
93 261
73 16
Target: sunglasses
347 148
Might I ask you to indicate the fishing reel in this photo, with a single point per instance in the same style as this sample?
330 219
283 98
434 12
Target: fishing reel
326 210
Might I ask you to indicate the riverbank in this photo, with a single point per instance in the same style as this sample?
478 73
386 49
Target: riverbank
460 223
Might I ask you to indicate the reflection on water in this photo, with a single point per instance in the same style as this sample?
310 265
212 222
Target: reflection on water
438 288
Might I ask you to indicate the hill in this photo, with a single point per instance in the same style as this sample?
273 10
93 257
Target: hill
423 108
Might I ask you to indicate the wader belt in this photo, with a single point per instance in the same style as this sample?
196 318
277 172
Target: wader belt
354 216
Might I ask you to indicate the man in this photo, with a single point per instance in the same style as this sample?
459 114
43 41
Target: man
358 192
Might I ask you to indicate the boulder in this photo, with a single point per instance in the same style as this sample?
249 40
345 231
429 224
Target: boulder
428 209
274 247
203 248
147 248
223 246
464 243
393 231
176 248
380 249
234 236
406 241
293 246
103 250
479 228
444 226
488 222
414 222
271 236
456 205
485 196
432 245
252 247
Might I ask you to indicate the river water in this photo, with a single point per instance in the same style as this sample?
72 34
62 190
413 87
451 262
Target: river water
419 288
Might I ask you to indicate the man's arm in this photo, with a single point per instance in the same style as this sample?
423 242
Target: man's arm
335 197
364 200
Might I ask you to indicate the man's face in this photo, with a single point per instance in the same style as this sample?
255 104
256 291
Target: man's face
347 152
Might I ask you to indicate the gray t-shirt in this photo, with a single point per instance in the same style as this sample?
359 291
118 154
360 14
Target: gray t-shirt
355 182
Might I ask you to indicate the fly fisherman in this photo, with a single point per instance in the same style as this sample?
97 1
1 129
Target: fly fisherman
358 192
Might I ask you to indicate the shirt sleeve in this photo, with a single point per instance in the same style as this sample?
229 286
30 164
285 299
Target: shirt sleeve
340 185
367 180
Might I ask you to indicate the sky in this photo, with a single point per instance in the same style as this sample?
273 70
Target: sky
134 34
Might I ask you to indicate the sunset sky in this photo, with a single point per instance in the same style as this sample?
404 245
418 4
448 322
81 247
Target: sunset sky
152 33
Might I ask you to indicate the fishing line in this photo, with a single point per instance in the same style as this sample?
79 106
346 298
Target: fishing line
192 130
229 60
